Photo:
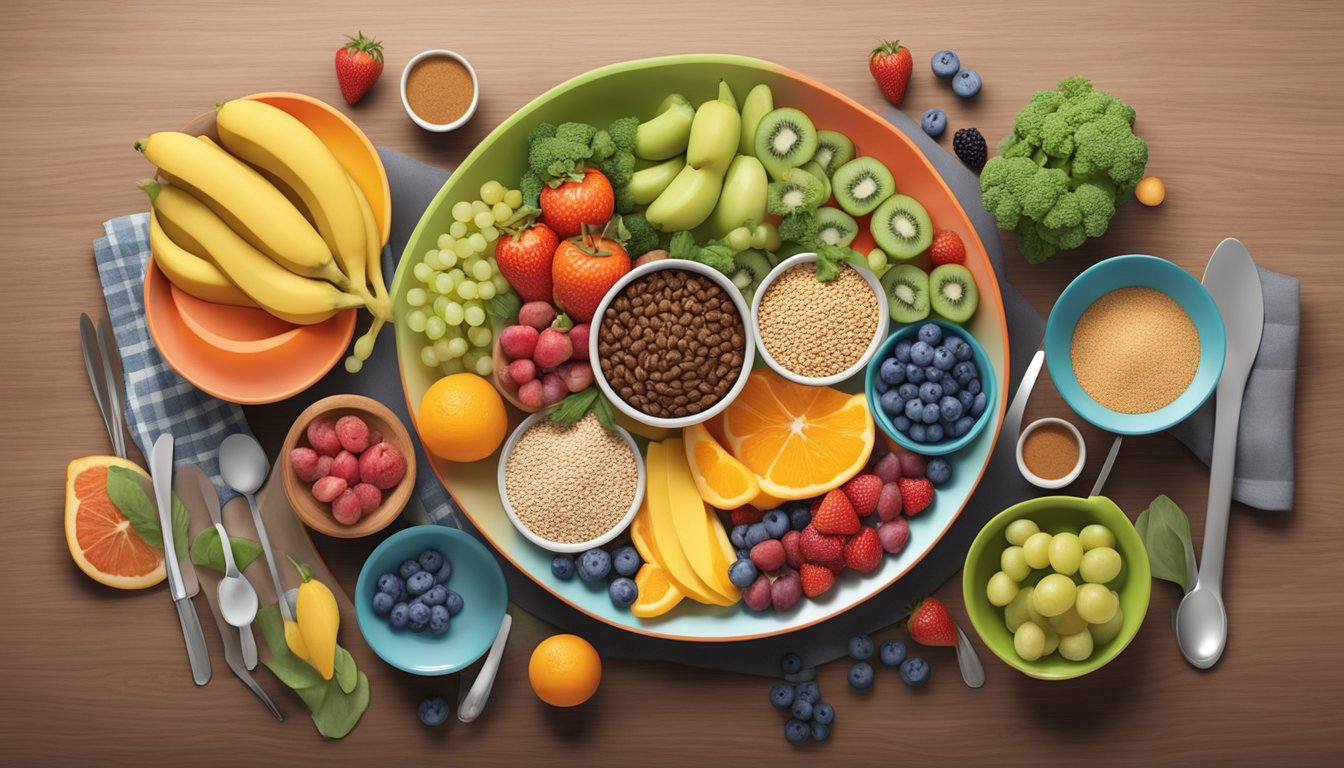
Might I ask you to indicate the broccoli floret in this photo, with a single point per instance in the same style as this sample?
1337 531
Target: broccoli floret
579 133
556 159
618 168
541 131
1071 158
622 132
714 255
799 228
625 199
530 186
639 235
603 146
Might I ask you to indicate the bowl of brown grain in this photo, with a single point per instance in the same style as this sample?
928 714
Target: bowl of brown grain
439 90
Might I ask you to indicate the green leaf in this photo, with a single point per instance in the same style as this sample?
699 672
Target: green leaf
294 672
574 407
346 671
339 712
602 410
336 704
682 246
206 551
127 491
1165 531
504 305
179 519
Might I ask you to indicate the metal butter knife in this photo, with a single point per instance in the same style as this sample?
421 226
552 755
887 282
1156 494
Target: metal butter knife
161 470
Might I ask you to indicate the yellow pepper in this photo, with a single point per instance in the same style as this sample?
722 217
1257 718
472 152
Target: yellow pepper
318 618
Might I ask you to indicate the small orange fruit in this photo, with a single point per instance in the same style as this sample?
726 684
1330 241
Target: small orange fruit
462 418
101 539
1151 191
723 481
657 595
565 670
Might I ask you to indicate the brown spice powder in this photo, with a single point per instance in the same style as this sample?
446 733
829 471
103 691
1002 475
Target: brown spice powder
817 329
439 89
1050 451
1135 350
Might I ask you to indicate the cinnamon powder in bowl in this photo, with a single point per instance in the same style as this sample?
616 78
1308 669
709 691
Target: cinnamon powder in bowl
439 90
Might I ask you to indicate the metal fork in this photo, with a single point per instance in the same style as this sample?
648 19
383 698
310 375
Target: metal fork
103 365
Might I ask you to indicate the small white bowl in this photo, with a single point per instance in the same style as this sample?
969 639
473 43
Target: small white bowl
879 336
1060 482
475 91
556 546
748 348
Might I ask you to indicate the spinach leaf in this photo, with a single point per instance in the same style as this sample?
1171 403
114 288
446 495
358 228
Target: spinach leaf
336 704
1165 531
206 550
346 671
127 491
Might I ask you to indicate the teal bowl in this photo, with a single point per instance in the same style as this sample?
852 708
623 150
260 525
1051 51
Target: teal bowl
475 575
1124 272
987 384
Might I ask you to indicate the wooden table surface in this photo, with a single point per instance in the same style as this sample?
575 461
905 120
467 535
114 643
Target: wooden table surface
1240 103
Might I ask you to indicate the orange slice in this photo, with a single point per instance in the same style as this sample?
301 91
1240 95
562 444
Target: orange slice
799 441
657 595
101 539
721 479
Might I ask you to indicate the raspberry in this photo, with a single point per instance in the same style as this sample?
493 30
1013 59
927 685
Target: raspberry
894 535
375 437
757 596
553 347
947 248
889 502
786 590
304 462
518 342
745 515
912 465
888 468
382 466
328 488
346 508
369 497
324 466
322 436
346 467
768 555
353 433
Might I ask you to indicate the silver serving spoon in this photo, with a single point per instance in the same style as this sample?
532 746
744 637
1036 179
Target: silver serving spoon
244 466
237 598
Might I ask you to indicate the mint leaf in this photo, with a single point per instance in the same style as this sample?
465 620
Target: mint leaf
602 410
504 305
179 520
207 552
339 712
574 407
347 673
336 704
125 489
1165 531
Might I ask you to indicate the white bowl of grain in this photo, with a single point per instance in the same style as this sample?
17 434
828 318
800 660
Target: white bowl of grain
816 333
570 489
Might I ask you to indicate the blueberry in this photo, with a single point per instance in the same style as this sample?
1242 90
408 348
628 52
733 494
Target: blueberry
966 84
964 425
963 372
934 433
914 410
934 122
892 652
901 423
419 583
809 691
562 567
742 573
382 604
943 359
930 333
418 613
933 373
820 732
880 385
756 533
437 595
738 537
966 399
623 592
945 64
908 391
949 428
433 711
921 353
930 414
902 351
930 392
917 433
409 568
399 615
417 627
390 585
430 560
892 371
950 385
776 523
950 408
974 386
626 561
861 675
453 603
799 517
860 647
438 620
802 709
891 403
823 713
963 351
914 374
742 554
914 671
781 695
938 471
797 732
978 407
441 576
594 565
791 663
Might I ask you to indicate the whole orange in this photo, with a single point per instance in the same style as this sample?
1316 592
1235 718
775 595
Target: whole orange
462 418
565 670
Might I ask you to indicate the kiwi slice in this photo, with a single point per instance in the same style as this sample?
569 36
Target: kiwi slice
901 227
785 139
834 149
799 191
952 292
861 185
814 168
907 288
836 227
749 269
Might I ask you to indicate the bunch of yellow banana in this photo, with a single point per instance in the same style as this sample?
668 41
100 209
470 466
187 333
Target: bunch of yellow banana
269 219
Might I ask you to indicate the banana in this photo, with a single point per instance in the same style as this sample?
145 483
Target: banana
687 201
373 254
759 102
714 136
647 184
288 296
190 272
726 94
251 206
743 197
666 135
271 139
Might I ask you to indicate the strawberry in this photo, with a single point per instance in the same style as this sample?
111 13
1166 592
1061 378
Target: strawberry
836 515
916 494
358 64
746 515
862 491
583 271
931 624
816 579
568 207
864 552
525 261
818 547
891 65
947 248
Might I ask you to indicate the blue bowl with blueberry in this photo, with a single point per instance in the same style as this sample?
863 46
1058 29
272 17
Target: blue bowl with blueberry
931 388
429 600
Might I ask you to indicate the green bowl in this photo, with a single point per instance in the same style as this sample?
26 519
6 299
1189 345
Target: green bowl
1056 514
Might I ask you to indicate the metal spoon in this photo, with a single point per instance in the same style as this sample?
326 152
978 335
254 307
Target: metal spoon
244 466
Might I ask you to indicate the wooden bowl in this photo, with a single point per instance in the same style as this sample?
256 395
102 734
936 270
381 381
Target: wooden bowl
316 514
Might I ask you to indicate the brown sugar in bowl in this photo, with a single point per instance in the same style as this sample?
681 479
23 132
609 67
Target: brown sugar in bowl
1051 453
439 90
317 515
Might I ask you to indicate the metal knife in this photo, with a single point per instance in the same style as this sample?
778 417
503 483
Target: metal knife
161 470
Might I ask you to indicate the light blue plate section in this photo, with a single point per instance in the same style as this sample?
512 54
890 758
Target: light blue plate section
1124 272
476 576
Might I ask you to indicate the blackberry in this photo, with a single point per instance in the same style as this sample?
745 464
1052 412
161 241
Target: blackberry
970 147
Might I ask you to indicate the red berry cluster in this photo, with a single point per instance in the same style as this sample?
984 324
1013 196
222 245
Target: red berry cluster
543 361
349 466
